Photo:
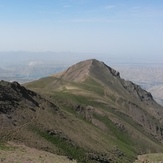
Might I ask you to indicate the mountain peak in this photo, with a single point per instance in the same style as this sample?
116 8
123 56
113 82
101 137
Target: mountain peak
84 69
102 67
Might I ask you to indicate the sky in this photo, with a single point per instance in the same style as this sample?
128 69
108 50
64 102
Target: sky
116 27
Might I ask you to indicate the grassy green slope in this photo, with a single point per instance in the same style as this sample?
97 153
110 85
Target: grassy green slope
105 128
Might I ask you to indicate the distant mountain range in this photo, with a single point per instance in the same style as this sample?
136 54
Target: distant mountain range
87 113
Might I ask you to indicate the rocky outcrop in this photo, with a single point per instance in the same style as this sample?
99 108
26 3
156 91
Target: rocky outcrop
13 96
137 91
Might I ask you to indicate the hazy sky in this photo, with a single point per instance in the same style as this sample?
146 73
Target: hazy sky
117 27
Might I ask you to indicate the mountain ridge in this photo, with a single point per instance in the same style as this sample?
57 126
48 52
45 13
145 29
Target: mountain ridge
103 73
83 69
109 84
88 113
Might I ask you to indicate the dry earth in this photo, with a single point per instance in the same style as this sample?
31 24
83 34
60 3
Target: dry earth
19 153
150 158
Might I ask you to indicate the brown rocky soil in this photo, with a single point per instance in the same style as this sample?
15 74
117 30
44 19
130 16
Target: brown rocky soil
19 153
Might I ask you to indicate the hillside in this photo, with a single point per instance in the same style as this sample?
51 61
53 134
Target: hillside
112 117
14 153
28 118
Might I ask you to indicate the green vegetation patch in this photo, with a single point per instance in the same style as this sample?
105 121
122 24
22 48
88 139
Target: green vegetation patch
122 140
91 85
65 147
4 146
41 83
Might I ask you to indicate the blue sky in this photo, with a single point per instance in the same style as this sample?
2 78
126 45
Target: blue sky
116 27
